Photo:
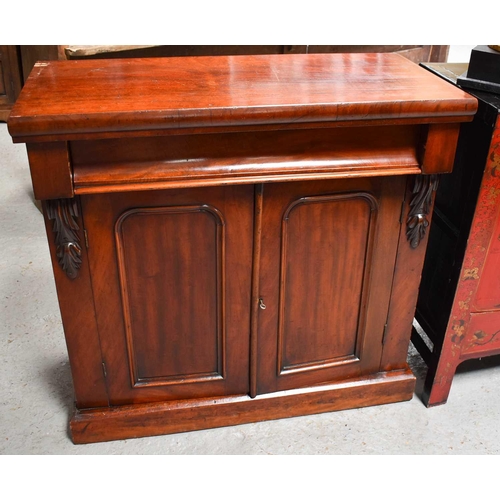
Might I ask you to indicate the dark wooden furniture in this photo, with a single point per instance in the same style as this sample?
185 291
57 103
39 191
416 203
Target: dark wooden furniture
10 79
235 238
459 302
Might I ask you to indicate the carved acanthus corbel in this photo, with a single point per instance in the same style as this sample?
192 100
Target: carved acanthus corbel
64 213
420 206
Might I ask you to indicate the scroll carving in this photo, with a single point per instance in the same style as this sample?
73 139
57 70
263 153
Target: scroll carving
64 213
420 205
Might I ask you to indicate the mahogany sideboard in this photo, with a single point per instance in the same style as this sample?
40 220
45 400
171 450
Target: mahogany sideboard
458 308
235 238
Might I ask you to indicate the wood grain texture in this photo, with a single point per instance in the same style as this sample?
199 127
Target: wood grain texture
240 158
151 94
51 172
76 303
404 293
174 258
328 292
254 318
317 264
135 421
246 255
172 291
440 148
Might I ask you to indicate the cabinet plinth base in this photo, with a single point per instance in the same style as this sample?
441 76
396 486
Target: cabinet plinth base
141 420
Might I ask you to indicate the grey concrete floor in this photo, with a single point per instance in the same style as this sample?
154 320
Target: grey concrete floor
36 388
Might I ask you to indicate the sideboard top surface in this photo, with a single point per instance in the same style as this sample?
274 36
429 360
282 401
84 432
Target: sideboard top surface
62 99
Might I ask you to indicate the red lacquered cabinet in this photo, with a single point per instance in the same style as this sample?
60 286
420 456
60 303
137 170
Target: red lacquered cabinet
459 303
235 238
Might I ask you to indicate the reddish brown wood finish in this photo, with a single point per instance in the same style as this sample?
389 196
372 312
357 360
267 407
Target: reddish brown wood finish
327 249
135 421
209 92
173 292
240 158
256 299
404 294
76 302
440 148
171 274
51 171
222 292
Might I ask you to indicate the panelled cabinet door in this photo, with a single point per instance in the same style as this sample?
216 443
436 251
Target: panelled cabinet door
171 273
327 260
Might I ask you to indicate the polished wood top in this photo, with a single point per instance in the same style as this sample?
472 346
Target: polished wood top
62 99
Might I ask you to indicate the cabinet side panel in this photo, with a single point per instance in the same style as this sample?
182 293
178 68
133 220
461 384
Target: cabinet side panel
170 262
323 252
403 301
76 302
